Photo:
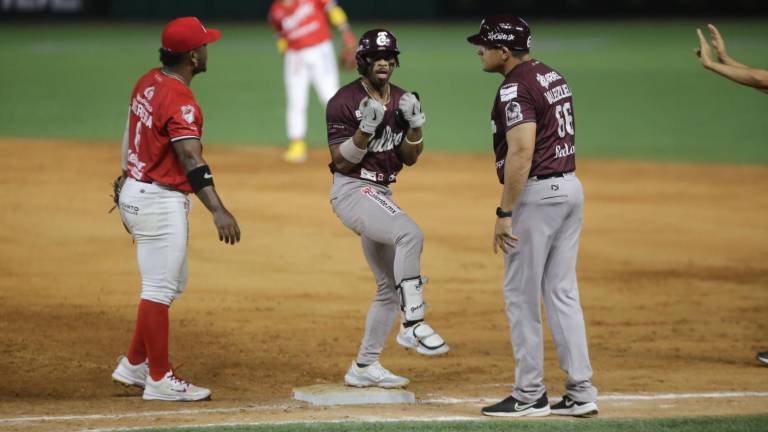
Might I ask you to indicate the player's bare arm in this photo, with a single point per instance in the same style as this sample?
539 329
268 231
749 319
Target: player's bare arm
411 147
734 71
360 141
190 154
718 43
520 143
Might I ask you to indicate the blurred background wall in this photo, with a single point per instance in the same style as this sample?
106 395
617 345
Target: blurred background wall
387 9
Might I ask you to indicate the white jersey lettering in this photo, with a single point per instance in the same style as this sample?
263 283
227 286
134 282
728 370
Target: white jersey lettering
557 93
387 141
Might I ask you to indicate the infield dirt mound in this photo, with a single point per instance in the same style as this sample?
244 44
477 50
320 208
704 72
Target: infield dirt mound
673 276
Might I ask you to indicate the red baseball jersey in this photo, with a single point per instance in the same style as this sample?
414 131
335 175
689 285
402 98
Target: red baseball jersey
163 110
534 92
302 23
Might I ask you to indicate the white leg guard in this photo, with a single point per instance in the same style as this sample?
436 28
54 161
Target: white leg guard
420 336
412 299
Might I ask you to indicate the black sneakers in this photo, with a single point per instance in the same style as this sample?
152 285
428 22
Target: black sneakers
762 357
569 407
511 407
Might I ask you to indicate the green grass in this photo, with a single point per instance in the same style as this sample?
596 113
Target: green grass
639 91
701 424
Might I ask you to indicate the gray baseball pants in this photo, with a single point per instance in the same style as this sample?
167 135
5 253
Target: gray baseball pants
547 221
392 244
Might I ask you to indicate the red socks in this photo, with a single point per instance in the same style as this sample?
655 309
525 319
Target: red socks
150 338
137 353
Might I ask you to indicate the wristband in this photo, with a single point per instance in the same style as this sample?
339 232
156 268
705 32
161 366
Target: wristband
200 177
419 141
352 153
502 214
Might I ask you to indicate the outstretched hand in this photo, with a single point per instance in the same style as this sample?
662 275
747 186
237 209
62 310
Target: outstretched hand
717 42
704 52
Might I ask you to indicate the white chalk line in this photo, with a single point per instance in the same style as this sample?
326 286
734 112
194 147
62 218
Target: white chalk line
612 397
436 401
141 414
361 419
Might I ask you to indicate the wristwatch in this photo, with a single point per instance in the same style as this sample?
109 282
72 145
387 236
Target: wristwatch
502 214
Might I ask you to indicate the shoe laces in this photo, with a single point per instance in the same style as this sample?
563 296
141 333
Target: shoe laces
177 379
379 370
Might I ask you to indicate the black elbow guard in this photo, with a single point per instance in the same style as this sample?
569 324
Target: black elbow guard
200 177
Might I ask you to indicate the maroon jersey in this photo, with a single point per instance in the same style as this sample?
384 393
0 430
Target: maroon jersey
534 92
382 163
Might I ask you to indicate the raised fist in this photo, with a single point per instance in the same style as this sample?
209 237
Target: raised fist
372 113
410 106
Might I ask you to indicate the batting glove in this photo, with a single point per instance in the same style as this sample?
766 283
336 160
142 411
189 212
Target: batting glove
372 113
411 109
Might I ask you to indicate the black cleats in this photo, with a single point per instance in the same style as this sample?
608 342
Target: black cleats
570 407
511 407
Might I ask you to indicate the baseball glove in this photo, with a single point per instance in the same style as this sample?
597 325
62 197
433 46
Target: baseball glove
347 58
117 184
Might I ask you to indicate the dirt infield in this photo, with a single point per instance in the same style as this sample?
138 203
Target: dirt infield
673 276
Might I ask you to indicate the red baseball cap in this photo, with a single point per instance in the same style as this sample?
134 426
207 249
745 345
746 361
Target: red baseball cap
187 33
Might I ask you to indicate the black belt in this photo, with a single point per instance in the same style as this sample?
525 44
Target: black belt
547 176
159 184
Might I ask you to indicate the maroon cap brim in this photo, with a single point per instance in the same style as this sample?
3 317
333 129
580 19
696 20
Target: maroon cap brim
476 39
212 35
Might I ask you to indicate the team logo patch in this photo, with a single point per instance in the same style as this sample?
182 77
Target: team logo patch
498 36
514 113
367 175
382 39
188 113
384 203
149 92
508 92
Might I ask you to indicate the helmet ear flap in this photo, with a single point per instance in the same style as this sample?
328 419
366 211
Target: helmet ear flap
362 63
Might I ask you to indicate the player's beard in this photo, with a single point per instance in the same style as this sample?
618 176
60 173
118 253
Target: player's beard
199 68
377 82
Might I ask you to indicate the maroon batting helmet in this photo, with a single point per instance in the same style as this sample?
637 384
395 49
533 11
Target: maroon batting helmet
507 30
375 41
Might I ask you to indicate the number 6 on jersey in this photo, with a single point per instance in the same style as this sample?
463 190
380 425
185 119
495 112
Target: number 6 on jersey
564 119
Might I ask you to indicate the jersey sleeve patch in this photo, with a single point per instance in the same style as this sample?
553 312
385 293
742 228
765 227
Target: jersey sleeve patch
514 113
188 113
519 106
508 92
185 122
